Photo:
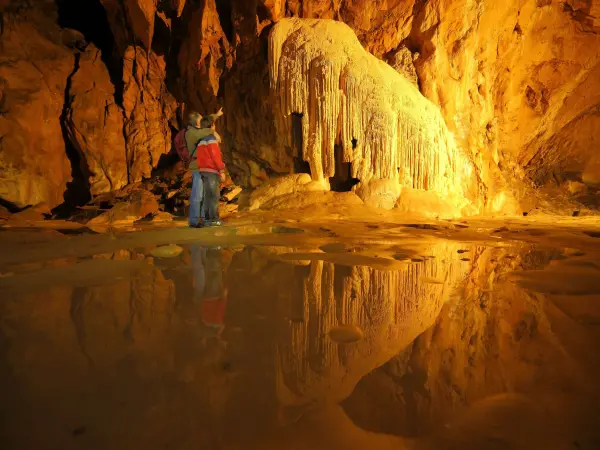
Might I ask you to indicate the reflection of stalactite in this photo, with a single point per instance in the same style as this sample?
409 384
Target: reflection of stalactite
391 307
347 96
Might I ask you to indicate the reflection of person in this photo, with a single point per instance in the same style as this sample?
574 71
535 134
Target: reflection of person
208 286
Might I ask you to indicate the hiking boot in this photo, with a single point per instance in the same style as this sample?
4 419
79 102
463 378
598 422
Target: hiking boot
213 223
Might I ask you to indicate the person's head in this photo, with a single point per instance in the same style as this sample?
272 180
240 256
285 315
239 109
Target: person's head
207 122
195 119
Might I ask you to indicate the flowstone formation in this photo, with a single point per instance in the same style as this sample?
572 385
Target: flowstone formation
356 109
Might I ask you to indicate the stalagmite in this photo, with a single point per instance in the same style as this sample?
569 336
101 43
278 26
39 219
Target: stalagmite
348 97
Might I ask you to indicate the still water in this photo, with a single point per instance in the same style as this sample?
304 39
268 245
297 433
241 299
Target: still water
458 346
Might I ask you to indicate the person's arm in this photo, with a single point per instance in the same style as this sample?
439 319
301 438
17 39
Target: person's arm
216 135
216 115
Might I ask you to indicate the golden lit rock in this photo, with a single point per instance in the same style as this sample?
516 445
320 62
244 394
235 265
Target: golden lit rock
349 98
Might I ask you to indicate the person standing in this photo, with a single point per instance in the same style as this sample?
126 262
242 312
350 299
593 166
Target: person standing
192 135
210 166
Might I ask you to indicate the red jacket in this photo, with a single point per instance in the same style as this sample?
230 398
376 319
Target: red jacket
213 310
208 156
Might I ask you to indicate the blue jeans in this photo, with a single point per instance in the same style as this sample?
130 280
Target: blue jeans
210 198
198 254
196 199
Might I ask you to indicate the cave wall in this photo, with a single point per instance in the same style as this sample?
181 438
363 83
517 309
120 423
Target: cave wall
517 84
509 80
85 107
34 71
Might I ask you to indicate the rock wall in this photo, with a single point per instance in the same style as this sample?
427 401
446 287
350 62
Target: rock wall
516 83
95 124
65 115
34 70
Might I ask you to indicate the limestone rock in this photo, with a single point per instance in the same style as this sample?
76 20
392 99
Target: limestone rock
379 193
95 125
204 56
148 108
162 217
314 199
141 14
381 123
380 26
282 186
517 86
510 80
591 173
403 61
34 69
178 5
430 204
275 9
34 213
131 21
232 193
138 204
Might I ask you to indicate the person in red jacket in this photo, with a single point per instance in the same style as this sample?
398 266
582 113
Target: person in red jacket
209 163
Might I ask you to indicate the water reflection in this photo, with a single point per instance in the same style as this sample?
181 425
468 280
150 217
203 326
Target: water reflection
224 347
391 307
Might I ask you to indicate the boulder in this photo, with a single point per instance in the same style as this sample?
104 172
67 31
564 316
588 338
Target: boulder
315 200
34 213
379 193
428 204
282 186
136 205
231 193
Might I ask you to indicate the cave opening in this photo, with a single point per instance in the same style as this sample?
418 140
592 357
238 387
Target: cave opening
225 12
89 18
300 165
342 181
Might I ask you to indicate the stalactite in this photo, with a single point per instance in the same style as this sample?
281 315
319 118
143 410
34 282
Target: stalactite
319 69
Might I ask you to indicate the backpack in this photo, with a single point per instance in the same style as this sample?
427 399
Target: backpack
181 146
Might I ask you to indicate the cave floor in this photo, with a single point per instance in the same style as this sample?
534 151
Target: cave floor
279 333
